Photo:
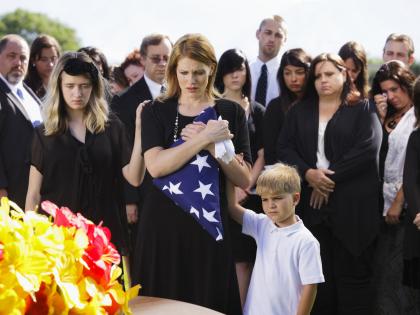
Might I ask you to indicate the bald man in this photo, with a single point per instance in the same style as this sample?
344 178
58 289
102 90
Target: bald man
19 114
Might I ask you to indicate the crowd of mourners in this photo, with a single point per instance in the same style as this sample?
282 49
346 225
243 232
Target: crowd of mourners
318 204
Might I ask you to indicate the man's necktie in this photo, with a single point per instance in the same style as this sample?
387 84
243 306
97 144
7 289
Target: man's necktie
162 89
20 94
261 92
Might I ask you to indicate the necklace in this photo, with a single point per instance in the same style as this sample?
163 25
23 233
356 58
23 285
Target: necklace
395 120
176 124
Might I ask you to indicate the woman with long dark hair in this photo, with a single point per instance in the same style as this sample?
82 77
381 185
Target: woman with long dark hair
354 57
291 76
334 143
233 81
394 81
45 52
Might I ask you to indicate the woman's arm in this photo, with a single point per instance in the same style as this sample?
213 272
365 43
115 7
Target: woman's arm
161 162
257 168
134 171
33 196
394 212
307 299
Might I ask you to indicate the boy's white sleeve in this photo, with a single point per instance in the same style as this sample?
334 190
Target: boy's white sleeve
310 265
250 223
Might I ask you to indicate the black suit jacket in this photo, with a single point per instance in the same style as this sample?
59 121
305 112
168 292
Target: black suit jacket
352 141
125 105
16 132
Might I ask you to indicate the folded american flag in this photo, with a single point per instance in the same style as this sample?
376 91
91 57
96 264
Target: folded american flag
195 186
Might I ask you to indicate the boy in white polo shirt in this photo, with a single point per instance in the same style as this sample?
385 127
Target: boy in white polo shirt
288 263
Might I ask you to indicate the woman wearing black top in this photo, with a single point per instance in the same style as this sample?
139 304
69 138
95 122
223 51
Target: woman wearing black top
335 144
233 80
291 76
176 257
80 153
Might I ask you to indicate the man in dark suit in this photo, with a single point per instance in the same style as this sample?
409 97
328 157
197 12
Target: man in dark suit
154 50
19 113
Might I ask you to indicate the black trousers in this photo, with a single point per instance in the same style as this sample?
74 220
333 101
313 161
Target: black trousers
348 287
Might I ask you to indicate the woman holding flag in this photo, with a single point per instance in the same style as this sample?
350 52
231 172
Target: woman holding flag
184 250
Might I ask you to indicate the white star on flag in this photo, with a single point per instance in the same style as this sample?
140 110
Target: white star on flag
209 215
195 211
173 189
219 235
201 162
204 190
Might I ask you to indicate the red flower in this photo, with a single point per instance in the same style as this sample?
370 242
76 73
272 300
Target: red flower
1 251
65 217
101 254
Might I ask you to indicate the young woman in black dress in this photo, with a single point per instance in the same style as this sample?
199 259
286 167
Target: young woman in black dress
335 145
291 76
233 81
80 153
176 257
354 57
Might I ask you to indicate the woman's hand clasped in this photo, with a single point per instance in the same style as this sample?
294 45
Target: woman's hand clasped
212 132
318 180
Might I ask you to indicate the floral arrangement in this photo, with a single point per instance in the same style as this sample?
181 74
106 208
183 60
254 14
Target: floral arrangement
62 266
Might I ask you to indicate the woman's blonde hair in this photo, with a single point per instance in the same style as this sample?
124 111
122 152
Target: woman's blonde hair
54 109
279 179
198 48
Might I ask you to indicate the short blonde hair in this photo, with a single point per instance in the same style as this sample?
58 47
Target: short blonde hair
402 38
279 179
278 19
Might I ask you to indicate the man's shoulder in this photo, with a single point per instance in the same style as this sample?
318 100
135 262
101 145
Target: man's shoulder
136 93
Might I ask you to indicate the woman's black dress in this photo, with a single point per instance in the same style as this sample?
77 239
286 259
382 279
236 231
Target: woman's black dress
175 257
86 177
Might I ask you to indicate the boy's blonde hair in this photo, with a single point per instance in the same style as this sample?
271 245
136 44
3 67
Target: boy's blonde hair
279 179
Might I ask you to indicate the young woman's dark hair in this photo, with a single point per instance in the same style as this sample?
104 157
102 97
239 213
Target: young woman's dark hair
98 58
293 57
33 79
357 53
230 61
336 60
397 71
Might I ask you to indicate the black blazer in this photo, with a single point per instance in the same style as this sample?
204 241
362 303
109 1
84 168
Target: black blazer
273 123
16 132
352 142
125 105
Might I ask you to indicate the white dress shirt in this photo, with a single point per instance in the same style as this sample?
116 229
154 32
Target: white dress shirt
395 157
30 105
154 87
273 89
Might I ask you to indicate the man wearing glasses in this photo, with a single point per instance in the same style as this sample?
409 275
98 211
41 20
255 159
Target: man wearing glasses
154 50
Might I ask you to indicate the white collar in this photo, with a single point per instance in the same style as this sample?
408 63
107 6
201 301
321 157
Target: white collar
12 87
288 229
154 87
271 64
